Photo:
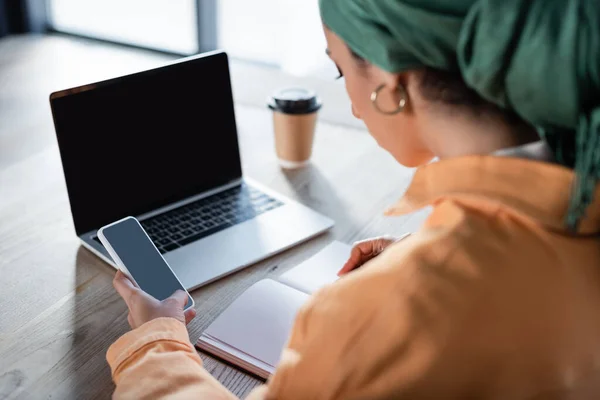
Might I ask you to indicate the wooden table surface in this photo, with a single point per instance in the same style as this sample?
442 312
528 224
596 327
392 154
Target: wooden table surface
58 310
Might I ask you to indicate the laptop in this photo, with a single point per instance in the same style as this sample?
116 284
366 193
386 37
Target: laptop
161 145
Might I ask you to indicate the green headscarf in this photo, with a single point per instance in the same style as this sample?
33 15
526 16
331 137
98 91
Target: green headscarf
539 58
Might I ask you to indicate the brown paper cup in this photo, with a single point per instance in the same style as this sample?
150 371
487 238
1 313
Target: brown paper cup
294 135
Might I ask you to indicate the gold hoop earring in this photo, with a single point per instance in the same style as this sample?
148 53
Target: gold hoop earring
401 104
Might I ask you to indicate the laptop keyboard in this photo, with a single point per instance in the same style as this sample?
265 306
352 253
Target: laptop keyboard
207 216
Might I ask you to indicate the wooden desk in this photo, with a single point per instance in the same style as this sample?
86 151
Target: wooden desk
58 310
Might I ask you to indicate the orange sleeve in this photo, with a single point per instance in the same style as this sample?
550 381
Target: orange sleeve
380 332
398 327
157 361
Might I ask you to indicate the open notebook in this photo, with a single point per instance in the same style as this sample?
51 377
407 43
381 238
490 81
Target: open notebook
253 330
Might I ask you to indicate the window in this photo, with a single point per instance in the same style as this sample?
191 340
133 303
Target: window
286 33
167 25
283 33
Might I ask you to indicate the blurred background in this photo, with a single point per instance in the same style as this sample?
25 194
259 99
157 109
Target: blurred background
50 45
281 33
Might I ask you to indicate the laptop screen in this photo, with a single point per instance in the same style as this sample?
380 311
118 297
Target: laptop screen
135 143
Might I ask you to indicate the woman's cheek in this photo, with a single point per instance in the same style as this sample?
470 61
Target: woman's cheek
359 96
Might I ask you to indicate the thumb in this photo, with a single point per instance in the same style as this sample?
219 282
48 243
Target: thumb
181 297
364 251
353 261
189 315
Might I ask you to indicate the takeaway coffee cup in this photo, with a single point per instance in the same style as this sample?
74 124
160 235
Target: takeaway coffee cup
294 118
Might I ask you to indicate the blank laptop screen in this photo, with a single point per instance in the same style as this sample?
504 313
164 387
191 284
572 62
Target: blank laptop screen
135 143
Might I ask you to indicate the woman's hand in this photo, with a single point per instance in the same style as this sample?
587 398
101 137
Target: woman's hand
144 308
366 250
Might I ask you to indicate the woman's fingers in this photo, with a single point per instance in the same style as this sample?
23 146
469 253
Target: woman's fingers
189 314
130 320
180 297
366 250
144 308
355 260
124 286
361 252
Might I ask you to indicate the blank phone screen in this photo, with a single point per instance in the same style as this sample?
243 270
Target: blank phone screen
145 264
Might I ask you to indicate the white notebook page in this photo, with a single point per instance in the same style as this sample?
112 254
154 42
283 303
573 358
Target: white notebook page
259 321
319 270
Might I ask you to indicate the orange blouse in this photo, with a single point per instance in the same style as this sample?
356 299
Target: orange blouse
491 299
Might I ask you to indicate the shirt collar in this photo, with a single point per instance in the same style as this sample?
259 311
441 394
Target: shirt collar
534 151
537 189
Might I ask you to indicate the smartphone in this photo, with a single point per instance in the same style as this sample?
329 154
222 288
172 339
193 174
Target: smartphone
136 255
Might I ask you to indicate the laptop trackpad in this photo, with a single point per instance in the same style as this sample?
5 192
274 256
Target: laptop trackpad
232 249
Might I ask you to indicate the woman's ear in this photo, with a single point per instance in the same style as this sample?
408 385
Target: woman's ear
390 96
389 79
